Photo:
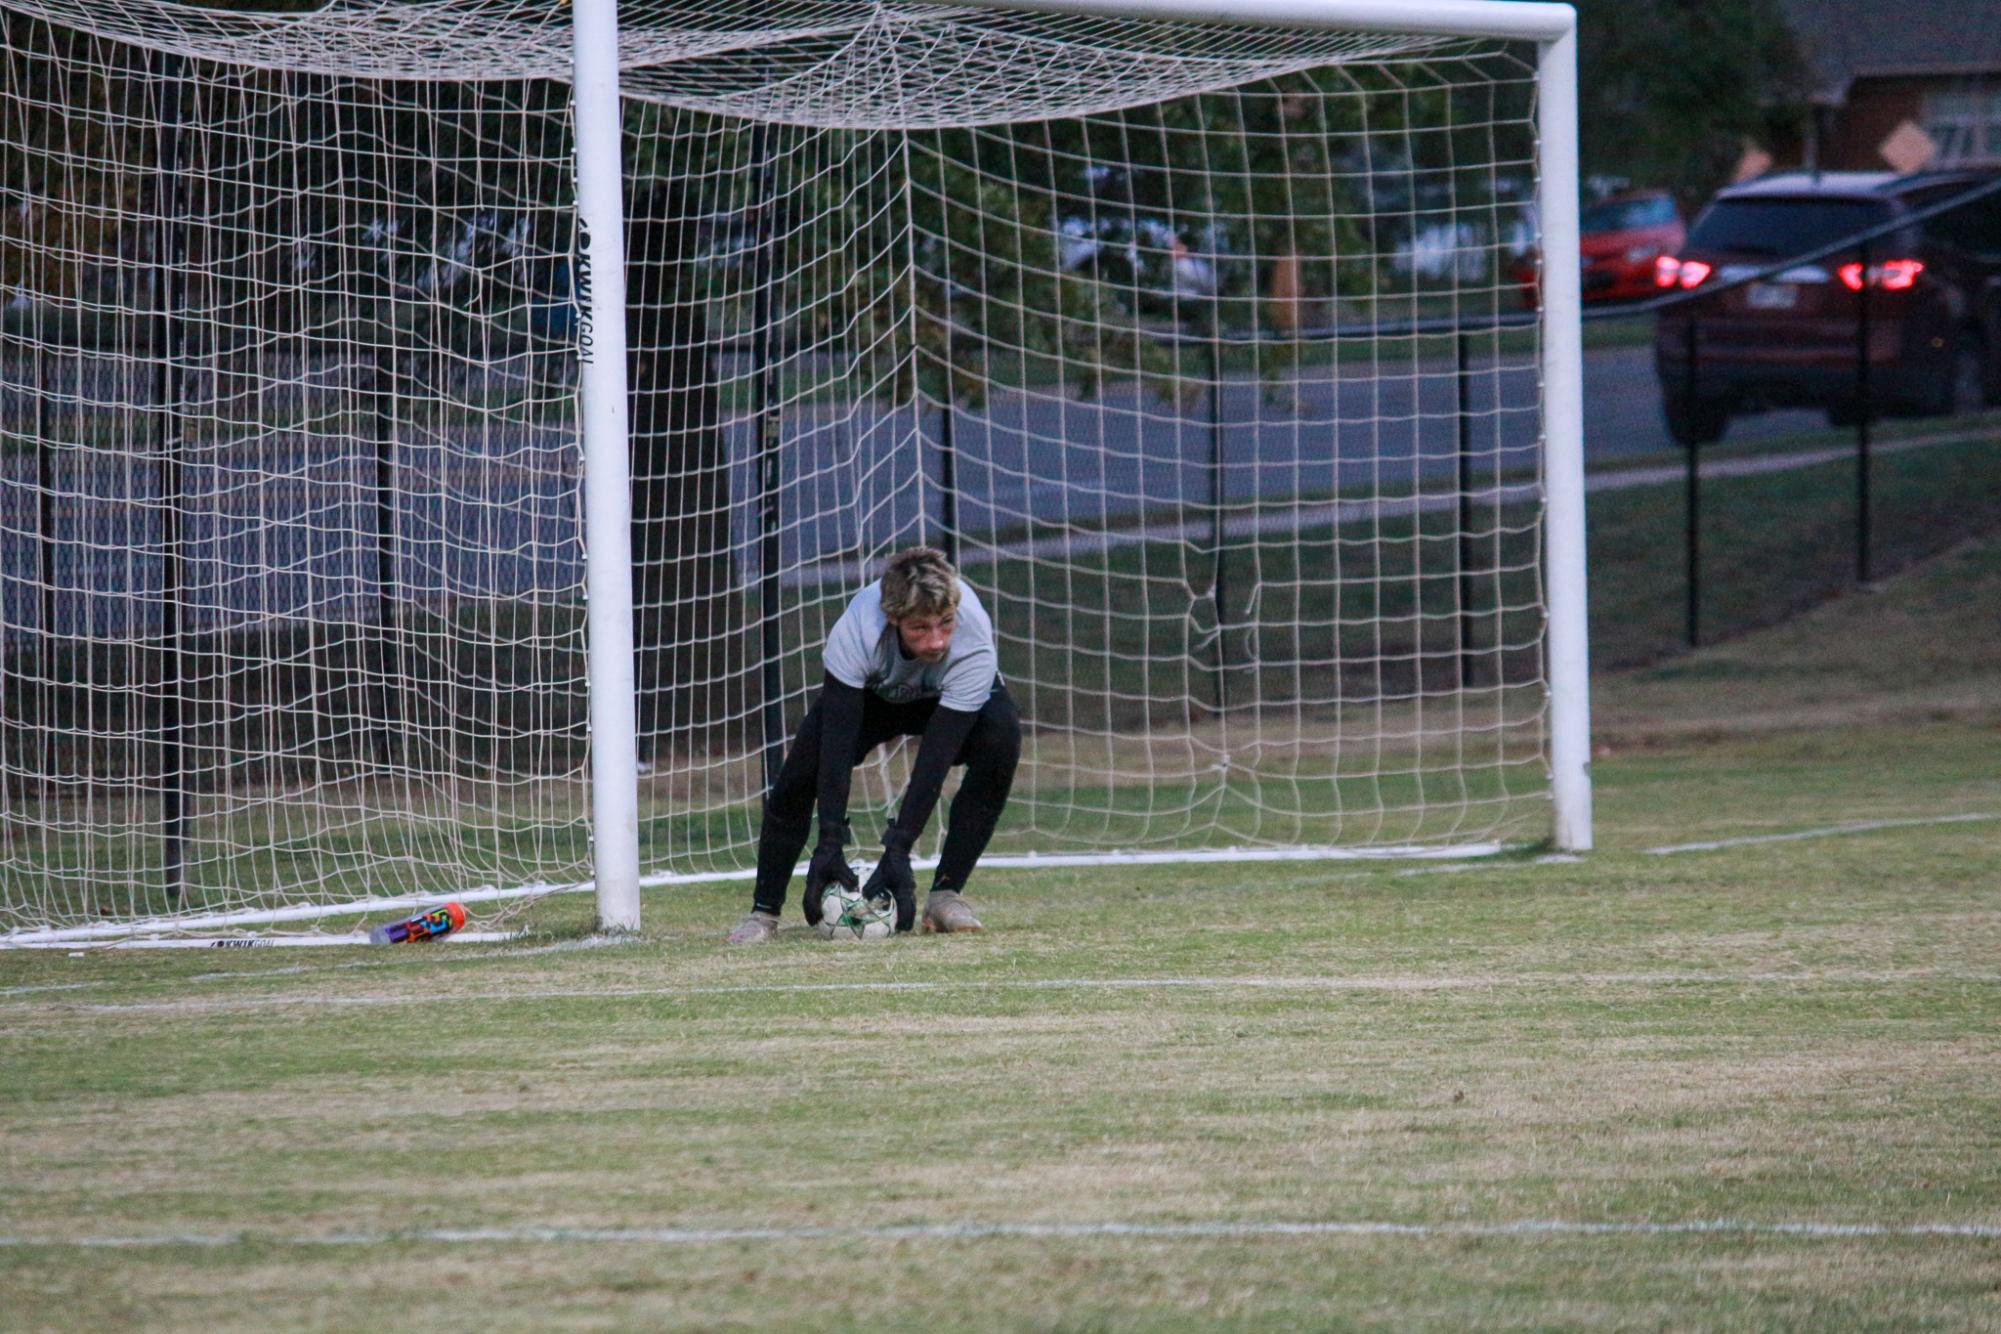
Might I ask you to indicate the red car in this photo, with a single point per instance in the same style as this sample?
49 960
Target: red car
1619 238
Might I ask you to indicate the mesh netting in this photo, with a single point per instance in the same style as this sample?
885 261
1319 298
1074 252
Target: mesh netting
1179 337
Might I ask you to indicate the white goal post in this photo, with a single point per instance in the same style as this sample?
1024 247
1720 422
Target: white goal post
434 438
607 484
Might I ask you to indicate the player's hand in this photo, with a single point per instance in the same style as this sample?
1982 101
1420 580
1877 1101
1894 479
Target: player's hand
829 865
893 877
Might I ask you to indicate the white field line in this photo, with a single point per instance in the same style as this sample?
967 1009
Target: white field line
1859 827
251 942
845 572
1030 861
161 927
969 1231
1455 868
1415 982
303 912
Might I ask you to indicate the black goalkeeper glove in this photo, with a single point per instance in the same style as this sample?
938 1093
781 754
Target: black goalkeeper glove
893 877
829 866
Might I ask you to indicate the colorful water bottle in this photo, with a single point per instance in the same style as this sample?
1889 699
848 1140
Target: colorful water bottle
439 921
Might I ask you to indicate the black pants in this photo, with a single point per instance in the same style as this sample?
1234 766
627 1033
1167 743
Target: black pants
990 752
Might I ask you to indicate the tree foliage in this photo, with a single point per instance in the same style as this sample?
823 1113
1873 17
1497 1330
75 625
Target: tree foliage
1672 89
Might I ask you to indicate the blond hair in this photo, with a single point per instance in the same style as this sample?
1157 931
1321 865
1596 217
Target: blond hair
919 581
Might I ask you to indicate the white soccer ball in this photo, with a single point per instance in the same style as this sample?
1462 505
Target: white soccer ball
846 915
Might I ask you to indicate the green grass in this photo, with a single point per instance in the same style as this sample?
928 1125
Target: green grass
1345 618
537 1136
1775 544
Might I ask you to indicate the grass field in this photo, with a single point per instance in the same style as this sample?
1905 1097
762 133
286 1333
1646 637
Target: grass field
1755 1085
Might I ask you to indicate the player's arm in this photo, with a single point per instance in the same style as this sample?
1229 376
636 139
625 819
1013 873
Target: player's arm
968 685
943 736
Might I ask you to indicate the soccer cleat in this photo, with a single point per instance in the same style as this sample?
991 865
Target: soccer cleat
947 910
755 929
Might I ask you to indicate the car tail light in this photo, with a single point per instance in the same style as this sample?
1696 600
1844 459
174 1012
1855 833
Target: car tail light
1892 275
1899 274
1672 272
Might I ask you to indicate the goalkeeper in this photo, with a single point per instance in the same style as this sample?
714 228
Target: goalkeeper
913 655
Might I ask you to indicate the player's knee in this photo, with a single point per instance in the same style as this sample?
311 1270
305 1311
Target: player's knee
990 769
787 814
1007 738
1007 755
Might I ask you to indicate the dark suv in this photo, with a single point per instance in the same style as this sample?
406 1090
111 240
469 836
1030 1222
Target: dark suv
1791 339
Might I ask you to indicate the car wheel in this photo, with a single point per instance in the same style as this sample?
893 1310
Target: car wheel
1983 385
1969 380
1961 383
1698 421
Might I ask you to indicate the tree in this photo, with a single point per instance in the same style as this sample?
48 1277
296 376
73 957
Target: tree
1671 89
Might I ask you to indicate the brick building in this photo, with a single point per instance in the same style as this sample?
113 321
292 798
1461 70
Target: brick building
1876 67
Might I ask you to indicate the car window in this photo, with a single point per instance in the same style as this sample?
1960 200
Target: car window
1780 227
1618 215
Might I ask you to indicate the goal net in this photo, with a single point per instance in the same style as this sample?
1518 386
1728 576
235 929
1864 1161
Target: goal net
1207 351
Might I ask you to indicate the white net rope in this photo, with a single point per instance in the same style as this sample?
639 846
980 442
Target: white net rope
854 64
1177 337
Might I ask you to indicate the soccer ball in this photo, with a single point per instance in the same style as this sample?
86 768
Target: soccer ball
846 915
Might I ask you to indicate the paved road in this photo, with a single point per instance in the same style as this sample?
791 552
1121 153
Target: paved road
1397 429
1622 408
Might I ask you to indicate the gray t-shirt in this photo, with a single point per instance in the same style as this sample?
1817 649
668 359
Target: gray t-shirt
863 651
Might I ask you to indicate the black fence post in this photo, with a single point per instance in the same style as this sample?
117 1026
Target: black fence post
769 432
1463 382
1864 409
389 733
1692 503
1219 575
948 480
47 712
169 297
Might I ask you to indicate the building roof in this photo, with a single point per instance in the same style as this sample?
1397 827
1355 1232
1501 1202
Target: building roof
1846 40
